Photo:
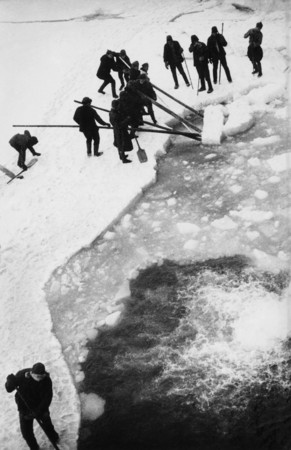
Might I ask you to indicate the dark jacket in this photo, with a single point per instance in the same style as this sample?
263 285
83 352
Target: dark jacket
122 139
200 54
255 37
37 394
173 53
215 44
121 67
145 88
106 65
134 73
86 118
21 142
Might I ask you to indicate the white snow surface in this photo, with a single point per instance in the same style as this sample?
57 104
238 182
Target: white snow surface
66 200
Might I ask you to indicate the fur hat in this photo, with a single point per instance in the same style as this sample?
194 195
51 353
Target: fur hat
145 66
194 38
86 100
214 30
38 369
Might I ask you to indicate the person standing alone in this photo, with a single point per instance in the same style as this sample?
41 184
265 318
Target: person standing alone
86 117
22 142
255 51
33 398
215 45
173 58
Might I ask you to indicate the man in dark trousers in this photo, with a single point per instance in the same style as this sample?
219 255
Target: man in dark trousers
86 117
255 51
173 58
200 60
123 68
22 142
122 139
33 398
107 63
215 45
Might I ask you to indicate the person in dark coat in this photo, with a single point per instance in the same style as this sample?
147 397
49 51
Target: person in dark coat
107 63
173 57
131 104
122 138
144 85
123 69
134 71
86 117
22 142
215 45
200 60
33 398
255 51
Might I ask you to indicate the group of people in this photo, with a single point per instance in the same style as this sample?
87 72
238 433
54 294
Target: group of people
137 92
135 101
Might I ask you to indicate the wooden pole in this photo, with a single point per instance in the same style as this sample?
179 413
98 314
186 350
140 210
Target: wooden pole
146 130
222 25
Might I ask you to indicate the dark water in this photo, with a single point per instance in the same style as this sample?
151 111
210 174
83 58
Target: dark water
200 358
158 394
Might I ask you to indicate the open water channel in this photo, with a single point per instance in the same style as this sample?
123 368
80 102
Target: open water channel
199 357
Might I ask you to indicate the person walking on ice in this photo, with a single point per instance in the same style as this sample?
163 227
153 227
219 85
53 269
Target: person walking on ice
33 398
22 142
86 117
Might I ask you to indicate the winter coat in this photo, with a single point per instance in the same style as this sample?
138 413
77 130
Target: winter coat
37 394
122 139
215 44
173 53
200 54
255 37
134 73
86 118
21 142
106 65
121 67
145 88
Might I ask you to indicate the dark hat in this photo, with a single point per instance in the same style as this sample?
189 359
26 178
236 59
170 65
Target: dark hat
143 76
145 66
86 100
27 133
194 38
33 140
259 25
122 52
38 369
135 64
169 37
109 52
214 30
